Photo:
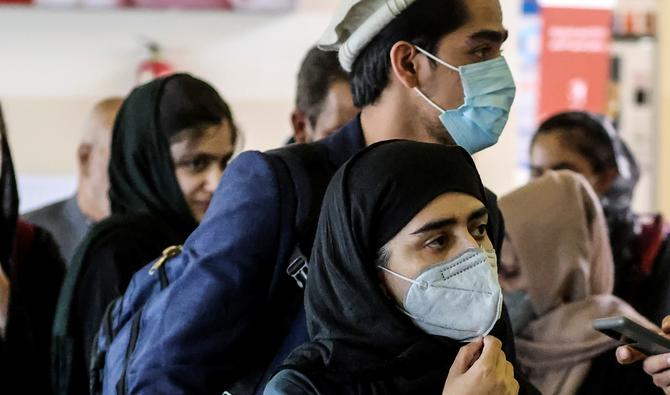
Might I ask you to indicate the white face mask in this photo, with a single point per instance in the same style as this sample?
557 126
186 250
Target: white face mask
460 299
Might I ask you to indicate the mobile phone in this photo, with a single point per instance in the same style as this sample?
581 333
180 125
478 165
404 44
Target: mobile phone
628 332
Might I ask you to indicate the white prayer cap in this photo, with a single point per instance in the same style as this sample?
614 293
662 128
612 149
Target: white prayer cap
356 23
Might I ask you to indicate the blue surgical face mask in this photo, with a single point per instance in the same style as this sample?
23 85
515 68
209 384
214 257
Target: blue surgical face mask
489 91
460 298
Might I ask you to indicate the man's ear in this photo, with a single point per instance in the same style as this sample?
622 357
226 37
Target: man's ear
405 63
300 124
84 158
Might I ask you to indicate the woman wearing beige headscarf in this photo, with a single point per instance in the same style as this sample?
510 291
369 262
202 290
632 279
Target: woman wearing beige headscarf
558 274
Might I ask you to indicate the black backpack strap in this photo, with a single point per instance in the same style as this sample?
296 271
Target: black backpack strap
303 173
310 171
97 365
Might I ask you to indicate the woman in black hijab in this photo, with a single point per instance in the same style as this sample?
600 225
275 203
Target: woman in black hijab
171 141
387 222
31 273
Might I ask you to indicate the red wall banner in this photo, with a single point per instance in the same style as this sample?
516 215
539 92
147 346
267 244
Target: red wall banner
575 60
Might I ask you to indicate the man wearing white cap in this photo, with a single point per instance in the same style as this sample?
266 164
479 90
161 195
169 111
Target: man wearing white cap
432 73
424 70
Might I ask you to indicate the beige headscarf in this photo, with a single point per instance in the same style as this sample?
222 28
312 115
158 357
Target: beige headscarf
558 234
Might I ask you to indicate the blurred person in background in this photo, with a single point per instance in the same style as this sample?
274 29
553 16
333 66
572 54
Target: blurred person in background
171 141
69 220
588 144
557 272
323 97
31 273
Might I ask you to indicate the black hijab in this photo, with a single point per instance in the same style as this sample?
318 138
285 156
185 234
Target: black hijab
35 270
359 338
9 199
149 211
141 170
617 205
144 193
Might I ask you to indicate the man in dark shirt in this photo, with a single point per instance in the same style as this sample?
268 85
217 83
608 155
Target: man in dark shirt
323 102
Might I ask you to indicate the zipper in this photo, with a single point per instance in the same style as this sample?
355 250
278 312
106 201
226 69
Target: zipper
168 253
159 266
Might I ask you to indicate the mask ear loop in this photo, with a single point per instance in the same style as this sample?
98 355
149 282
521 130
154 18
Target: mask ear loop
432 103
422 284
440 61
435 58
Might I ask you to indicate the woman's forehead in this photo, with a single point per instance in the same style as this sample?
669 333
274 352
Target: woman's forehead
452 205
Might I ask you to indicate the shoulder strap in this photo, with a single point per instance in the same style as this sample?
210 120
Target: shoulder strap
310 171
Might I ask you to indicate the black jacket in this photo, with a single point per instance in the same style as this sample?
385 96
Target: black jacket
35 278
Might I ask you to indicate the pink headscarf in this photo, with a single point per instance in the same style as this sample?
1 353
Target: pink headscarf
557 231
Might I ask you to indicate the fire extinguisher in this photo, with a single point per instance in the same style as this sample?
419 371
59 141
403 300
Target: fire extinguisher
154 67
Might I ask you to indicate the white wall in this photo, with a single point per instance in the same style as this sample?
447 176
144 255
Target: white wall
54 63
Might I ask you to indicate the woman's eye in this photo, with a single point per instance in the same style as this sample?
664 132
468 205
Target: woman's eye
198 164
479 232
437 243
508 273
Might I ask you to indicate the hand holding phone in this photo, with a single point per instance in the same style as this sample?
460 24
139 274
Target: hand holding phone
656 366
632 334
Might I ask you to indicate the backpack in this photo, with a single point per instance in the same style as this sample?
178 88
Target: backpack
69 369
304 171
